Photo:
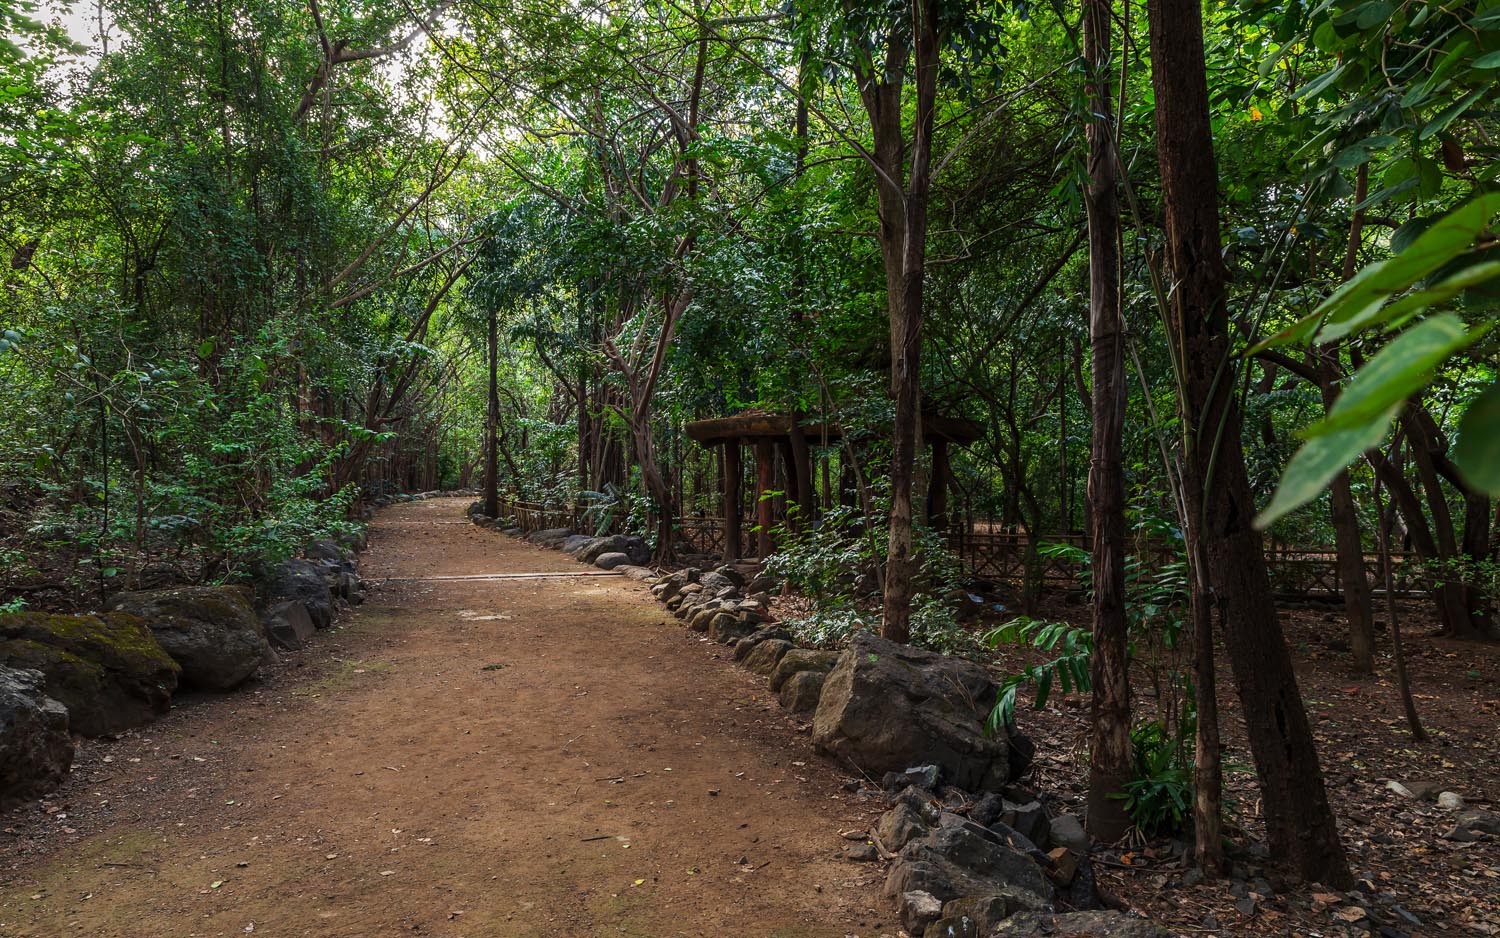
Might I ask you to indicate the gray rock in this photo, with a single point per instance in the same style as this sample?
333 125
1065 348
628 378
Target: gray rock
986 912
898 827
211 631
611 544
1030 821
862 853
953 926
922 776
1080 924
729 573
714 581
550 537
302 581
959 861
888 706
324 549
801 659
109 671
640 574
287 625
987 809
801 691
726 627
573 543
1470 824
611 560
35 748
918 910
764 657
1450 801
637 550
746 645
1066 831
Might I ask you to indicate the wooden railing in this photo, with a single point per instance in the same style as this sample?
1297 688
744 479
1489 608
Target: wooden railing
991 552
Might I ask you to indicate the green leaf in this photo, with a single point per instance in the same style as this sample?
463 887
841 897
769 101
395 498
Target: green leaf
1477 452
1491 60
1400 369
1411 304
1318 461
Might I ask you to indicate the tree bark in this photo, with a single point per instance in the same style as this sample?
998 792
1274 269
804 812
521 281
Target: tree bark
902 189
1110 755
1353 583
1220 507
492 424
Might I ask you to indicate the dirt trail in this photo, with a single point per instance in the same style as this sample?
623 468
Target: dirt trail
551 756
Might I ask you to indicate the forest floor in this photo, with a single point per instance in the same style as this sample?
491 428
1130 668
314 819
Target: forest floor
1395 842
531 756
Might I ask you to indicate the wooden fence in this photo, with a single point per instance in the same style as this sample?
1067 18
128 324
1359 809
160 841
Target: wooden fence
991 552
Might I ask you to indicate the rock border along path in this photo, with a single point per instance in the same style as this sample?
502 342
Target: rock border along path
535 756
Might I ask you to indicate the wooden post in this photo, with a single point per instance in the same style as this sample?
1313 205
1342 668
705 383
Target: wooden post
788 487
765 480
732 500
801 462
937 513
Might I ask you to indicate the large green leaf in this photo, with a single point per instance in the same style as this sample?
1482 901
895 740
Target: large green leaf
1403 367
1378 312
1318 461
1357 302
1477 452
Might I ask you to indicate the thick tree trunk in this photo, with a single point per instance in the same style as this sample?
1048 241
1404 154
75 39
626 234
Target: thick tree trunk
1220 507
1110 754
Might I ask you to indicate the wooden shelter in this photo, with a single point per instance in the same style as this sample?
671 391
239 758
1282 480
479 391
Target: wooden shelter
789 440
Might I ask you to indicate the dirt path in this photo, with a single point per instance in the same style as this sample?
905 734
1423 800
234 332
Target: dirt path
547 756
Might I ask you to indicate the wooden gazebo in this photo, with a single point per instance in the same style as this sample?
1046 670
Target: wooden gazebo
790 439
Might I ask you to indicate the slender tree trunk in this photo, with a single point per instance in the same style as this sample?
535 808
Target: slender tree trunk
492 424
1353 584
1398 650
1220 507
1110 754
903 242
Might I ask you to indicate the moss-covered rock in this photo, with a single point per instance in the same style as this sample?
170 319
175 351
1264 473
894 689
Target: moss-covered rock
211 631
109 670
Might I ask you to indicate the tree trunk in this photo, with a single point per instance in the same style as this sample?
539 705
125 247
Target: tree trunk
1220 508
1353 583
903 247
492 425
1110 754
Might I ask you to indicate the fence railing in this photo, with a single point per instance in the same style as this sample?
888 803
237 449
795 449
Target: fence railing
990 551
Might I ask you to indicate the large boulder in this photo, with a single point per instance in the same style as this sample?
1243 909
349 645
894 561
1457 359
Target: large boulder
550 537
611 560
634 548
109 670
212 631
302 581
35 748
887 706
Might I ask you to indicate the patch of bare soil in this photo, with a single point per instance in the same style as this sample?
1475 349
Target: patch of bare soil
1394 842
520 756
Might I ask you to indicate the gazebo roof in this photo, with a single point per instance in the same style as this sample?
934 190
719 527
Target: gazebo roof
758 425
